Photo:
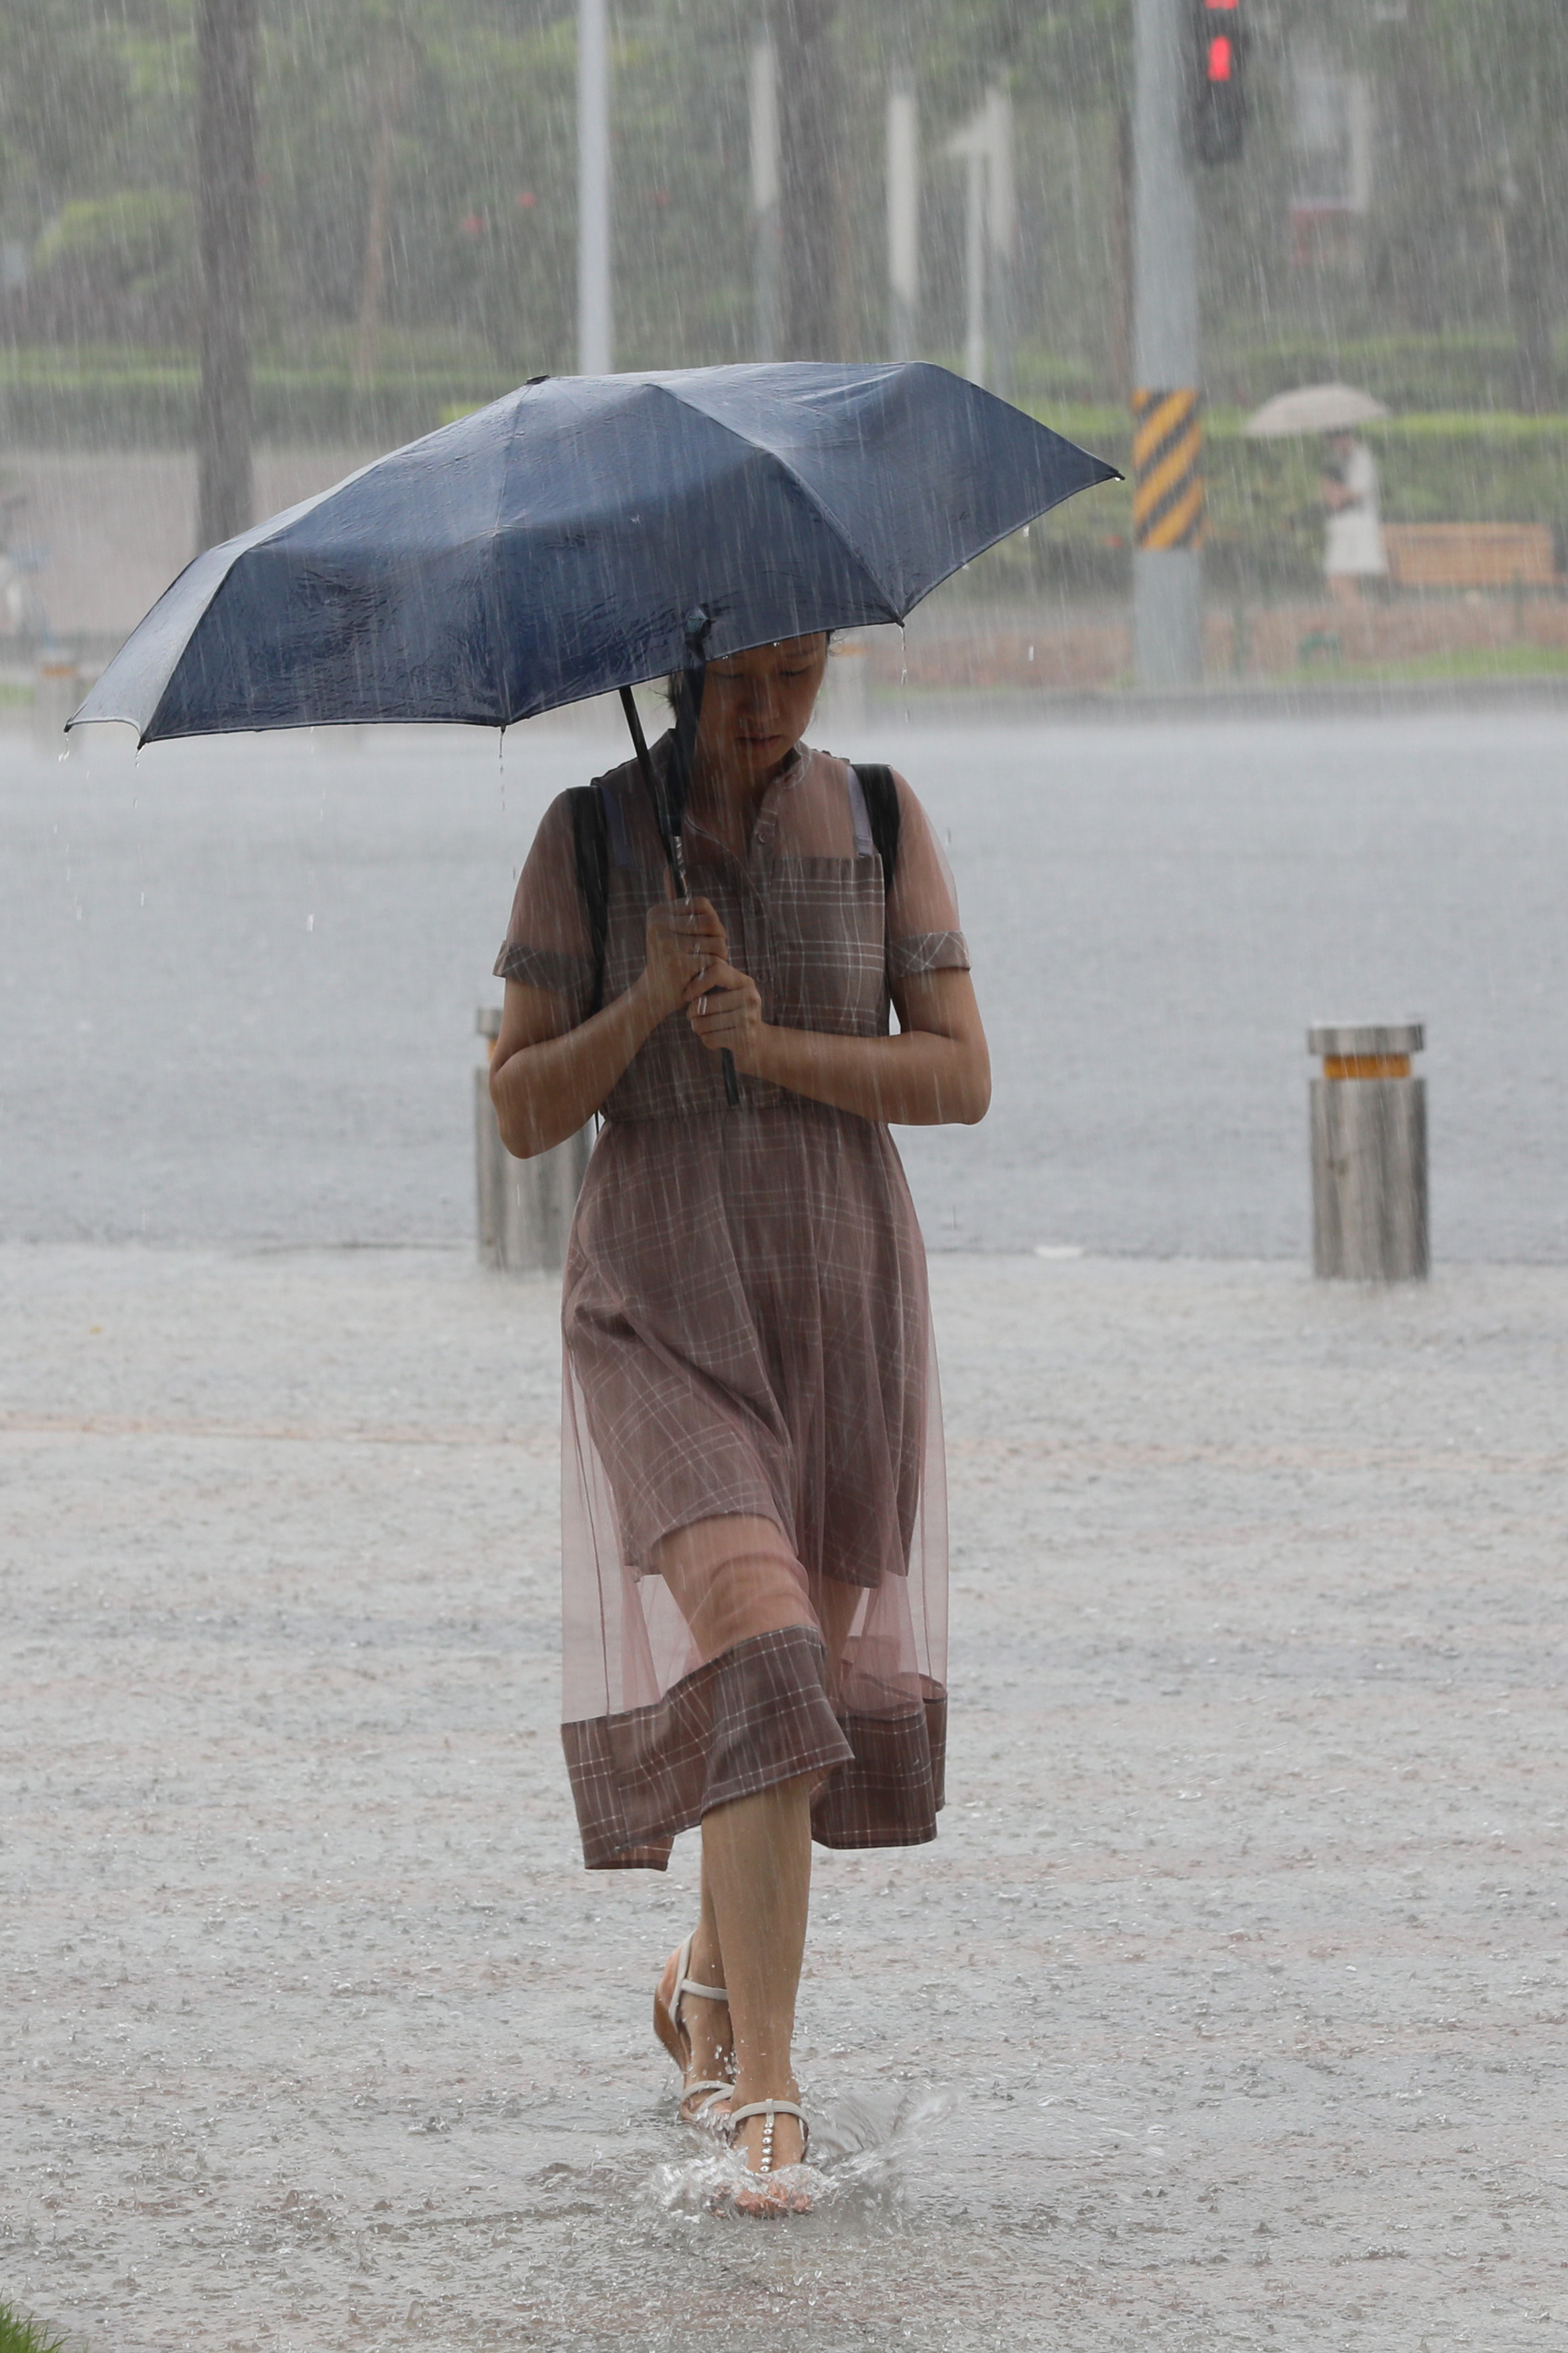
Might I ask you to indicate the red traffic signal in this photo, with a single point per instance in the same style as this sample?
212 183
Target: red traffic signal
1219 95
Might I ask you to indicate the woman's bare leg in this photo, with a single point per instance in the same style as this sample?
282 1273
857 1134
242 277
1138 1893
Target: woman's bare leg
731 1577
706 2023
734 1579
756 1860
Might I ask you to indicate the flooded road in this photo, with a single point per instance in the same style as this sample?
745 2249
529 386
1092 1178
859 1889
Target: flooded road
239 978
1225 2011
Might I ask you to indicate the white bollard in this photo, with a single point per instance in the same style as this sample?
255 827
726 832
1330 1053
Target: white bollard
1368 1153
524 1206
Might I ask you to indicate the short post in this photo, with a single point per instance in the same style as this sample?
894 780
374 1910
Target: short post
524 1206
1368 1153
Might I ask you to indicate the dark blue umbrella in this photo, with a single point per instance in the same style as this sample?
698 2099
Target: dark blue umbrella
588 533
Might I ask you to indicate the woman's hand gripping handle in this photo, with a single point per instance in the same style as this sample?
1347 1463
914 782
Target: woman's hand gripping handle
685 941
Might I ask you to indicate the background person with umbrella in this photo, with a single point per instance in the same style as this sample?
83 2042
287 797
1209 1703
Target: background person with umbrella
1352 547
753 1533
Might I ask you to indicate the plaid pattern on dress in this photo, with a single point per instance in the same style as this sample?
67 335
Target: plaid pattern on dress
757 1716
748 1334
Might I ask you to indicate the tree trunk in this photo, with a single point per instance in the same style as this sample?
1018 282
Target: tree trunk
373 281
808 174
1530 289
225 199
1120 338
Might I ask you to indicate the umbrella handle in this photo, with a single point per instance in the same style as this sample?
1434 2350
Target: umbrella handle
676 863
726 1059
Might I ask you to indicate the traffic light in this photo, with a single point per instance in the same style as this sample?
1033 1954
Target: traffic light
1219 89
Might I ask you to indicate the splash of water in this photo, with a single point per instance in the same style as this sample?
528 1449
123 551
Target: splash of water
861 2149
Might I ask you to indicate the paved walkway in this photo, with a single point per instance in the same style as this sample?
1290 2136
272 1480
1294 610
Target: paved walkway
1228 2011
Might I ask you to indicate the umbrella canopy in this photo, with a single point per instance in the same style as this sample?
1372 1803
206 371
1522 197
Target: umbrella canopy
1314 408
557 545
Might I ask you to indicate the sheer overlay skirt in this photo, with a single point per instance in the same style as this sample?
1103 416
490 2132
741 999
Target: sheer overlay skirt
753 1525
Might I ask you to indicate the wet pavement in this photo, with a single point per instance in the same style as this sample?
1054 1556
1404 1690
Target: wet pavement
238 980
1227 2011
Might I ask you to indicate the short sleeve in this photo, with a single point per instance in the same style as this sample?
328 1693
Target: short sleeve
923 934
547 944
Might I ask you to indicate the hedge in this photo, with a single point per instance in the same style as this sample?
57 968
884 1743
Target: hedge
1265 517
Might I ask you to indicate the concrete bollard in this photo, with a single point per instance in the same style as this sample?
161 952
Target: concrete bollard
524 1206
1368 1153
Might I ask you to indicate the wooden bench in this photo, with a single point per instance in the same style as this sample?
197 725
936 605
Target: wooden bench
1472 556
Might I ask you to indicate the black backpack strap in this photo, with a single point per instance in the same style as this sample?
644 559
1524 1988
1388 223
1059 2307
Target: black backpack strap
881 795
590 836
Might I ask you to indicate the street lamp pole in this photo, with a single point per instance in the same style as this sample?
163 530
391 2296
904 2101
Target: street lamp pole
226 202
595 348
904 216
1001 237
765 282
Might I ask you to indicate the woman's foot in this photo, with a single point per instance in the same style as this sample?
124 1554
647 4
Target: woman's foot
691 2019
773 2135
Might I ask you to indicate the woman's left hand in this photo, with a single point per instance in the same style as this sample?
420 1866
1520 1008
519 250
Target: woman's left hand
729 1012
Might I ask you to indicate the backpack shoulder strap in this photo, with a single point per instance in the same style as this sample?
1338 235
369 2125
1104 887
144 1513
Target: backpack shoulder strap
881 797
590 835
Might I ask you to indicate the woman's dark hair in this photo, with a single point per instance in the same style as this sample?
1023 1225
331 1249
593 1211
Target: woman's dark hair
672 683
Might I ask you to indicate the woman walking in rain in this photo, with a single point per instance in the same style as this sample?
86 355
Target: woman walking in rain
1352 549
753 1540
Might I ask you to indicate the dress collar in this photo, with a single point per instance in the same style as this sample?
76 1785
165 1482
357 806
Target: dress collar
791 768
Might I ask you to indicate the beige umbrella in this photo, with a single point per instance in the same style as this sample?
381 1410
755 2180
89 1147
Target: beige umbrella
1314 408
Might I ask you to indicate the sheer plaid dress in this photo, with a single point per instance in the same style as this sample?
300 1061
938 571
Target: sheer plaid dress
748 1334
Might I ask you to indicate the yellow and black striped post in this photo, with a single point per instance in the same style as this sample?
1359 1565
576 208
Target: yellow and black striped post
1167 470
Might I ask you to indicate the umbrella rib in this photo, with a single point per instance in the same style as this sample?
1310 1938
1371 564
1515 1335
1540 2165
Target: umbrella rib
817 502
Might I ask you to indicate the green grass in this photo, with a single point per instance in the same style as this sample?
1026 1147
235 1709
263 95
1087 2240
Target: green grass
1096 425
18 2335
1467 662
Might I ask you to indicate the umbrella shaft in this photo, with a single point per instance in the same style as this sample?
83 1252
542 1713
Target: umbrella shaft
676 857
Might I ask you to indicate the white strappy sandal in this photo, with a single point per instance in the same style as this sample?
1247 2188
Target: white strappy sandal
668 1994
760 2193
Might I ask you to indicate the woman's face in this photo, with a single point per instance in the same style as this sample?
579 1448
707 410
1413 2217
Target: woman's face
756 706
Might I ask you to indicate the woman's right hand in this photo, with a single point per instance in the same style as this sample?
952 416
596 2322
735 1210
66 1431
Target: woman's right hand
684 937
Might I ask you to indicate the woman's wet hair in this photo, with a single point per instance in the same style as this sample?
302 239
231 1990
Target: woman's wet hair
672 683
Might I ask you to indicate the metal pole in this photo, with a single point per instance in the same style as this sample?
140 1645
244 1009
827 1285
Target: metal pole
1002 222
810 174
903 217
226 186
973 146
1167 447
766 198
974 263
594 332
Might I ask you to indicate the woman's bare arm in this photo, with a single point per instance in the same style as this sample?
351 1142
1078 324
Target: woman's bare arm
937 1070
548 1077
